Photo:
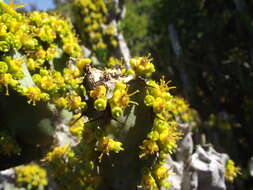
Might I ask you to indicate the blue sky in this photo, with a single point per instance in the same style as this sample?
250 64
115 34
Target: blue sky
40 4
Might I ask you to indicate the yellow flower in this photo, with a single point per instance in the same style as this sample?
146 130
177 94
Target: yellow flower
114 43
47 83
87 20
231 171
75 102
148 147
161 172
60 102
51 52
168 138
142 66
148 182
15 65
101 45
57 153
3 29
33 94
31 64
82 62
107 144
98 92
110 30
120 97
6 80
158 105
113 62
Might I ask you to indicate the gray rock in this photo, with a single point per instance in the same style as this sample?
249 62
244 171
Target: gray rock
207 169
200 170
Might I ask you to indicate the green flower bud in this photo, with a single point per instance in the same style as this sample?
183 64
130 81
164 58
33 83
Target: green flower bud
83 105
16 44
160 125
3 67
4 46
133 62
100 104
153 135
149 100
36 78
30 43
117 112
3 29
18 75
44 72
45 96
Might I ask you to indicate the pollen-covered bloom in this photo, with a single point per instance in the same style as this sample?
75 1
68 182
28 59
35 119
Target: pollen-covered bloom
121 98
34 94
148 147
142 66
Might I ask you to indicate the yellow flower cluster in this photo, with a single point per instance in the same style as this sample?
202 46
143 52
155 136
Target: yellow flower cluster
120 99
231 171
37 40
73 166
34 94
156 177
31 176
50 81
98 34
59 158
58 153
149 147
8 145
163 137
178 106
161 172
48 29
42 60
142 66
166 107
